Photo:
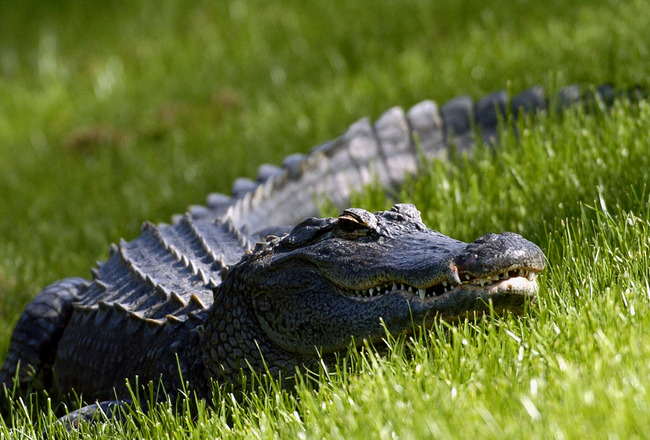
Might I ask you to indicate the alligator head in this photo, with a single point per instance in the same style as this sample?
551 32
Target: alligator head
334 279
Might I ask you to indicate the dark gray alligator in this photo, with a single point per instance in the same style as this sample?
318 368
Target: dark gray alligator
197 299
163 304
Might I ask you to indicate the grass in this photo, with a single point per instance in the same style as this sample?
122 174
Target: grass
163 104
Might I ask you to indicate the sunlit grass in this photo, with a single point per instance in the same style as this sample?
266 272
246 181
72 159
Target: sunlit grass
573 366
168 102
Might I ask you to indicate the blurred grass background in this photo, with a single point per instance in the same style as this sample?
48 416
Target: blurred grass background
115 112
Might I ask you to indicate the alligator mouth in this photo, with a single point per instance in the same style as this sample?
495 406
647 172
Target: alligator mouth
439 289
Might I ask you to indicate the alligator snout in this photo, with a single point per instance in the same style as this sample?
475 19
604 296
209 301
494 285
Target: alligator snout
499 253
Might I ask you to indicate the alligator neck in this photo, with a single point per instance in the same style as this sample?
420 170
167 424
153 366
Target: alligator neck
234 345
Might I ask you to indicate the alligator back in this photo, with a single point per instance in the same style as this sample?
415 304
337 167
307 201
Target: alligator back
142 307
168 272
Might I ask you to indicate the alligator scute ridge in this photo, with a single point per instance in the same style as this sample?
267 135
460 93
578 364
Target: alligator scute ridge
195 299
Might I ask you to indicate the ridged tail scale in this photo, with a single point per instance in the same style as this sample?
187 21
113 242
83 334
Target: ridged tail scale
385 153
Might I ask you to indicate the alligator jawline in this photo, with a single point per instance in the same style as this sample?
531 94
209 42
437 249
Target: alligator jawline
523 280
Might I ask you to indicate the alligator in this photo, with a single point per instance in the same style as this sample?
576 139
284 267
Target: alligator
196 301
165 307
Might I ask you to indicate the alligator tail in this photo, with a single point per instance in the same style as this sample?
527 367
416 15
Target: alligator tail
385 152
34 340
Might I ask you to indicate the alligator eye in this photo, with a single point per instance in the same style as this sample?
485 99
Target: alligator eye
356 220
350 224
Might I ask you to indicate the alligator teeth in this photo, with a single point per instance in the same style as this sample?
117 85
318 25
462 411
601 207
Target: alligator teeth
443 287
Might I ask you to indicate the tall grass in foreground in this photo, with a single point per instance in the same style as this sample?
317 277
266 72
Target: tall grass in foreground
574 366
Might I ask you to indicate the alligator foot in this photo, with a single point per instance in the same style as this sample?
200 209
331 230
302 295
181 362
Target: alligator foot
114 410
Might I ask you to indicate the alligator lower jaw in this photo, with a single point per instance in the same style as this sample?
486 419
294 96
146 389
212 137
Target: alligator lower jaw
520 286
